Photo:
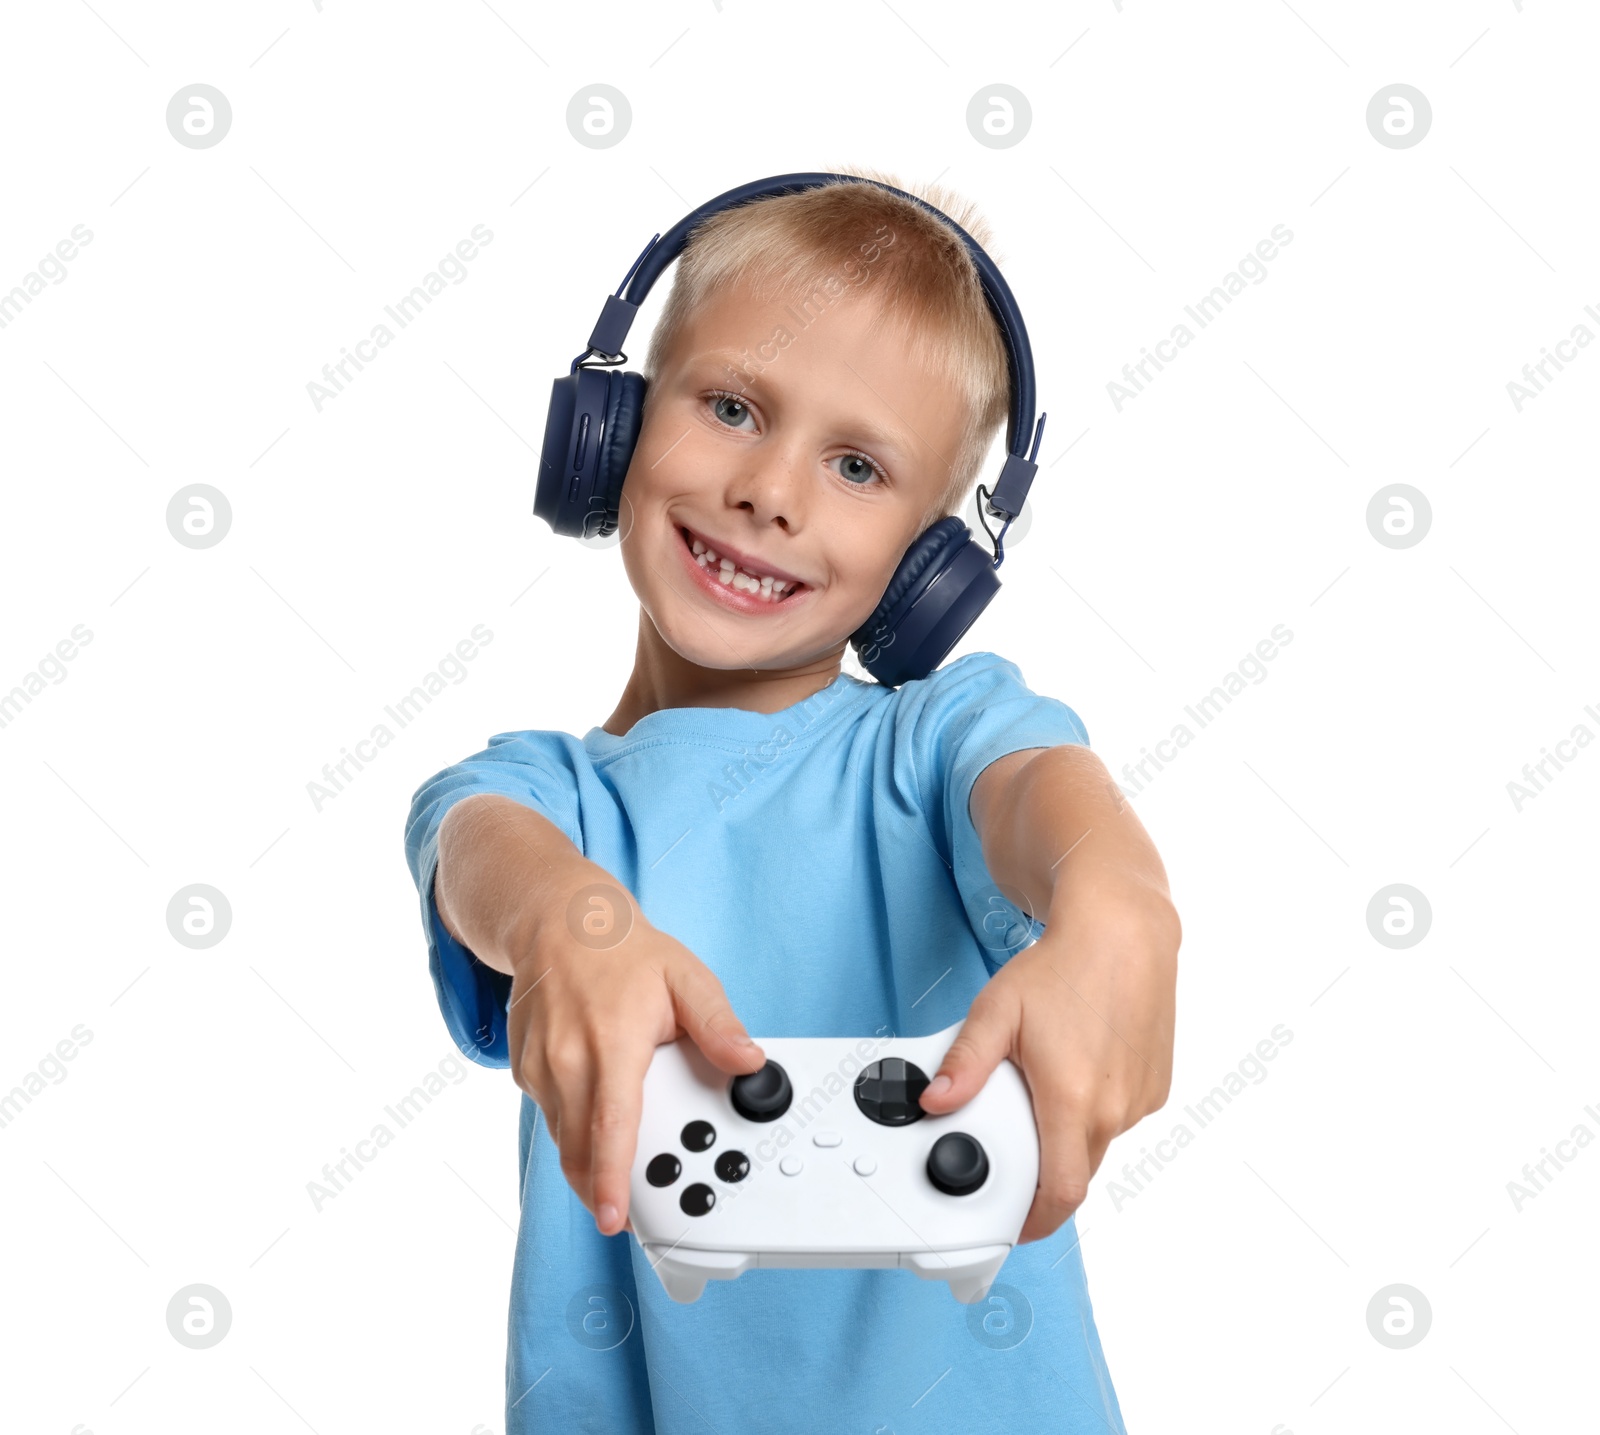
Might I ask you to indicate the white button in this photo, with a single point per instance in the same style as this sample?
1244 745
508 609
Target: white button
827 1138
790 1165
865 1165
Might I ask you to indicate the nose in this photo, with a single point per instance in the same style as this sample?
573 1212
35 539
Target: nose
772 486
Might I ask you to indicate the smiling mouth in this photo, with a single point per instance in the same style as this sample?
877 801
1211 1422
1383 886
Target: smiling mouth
761 587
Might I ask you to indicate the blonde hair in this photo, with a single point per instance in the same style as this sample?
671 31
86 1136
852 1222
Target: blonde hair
922 277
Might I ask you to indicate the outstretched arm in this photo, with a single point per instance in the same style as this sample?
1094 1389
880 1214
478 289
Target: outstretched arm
1087 1012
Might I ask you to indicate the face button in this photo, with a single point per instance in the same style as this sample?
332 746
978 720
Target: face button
957 1164
887 1092
762 1095
732 1166
697 1199
663 1170
699 1136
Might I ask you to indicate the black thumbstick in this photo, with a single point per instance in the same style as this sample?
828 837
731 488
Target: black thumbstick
957 1165
762 1095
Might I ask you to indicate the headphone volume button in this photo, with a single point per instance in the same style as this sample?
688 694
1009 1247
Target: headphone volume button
583 444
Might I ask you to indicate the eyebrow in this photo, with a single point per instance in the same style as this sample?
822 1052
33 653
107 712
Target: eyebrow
862 429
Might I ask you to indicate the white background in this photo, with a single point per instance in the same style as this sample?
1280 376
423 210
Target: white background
369 538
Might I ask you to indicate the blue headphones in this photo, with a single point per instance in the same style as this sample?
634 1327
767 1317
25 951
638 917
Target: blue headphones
943 581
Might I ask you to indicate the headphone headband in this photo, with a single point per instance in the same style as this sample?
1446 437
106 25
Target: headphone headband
1016 477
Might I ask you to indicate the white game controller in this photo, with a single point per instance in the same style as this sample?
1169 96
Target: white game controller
824 1158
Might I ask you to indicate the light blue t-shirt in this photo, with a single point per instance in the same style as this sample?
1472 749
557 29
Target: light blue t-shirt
823 863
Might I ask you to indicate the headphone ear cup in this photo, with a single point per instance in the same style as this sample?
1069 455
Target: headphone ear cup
943 581
569 459
624 410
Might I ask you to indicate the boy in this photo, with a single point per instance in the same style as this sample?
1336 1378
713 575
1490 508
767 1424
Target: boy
754 831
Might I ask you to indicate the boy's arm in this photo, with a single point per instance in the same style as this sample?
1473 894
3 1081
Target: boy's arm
1088 1010
503 869
513 889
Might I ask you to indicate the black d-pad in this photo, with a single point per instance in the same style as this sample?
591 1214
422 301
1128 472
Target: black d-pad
887 1092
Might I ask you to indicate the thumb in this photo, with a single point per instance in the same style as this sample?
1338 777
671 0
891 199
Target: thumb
700 1007
982 1043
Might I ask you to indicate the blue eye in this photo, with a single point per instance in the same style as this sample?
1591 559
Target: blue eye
729 409
864 469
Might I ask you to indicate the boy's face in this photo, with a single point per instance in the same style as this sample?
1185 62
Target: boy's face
818 468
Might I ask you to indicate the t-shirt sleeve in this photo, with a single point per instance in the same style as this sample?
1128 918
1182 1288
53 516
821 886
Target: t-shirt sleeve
965 716
535 769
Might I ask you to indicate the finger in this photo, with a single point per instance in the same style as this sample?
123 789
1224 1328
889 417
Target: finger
614 1124
701 1008
532 1077
1064 1170
573 1080
984 1041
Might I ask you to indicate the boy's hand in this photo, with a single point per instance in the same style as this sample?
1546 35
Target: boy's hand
1087 1013
584 1021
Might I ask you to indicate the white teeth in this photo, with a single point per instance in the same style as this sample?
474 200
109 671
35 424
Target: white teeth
729 572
